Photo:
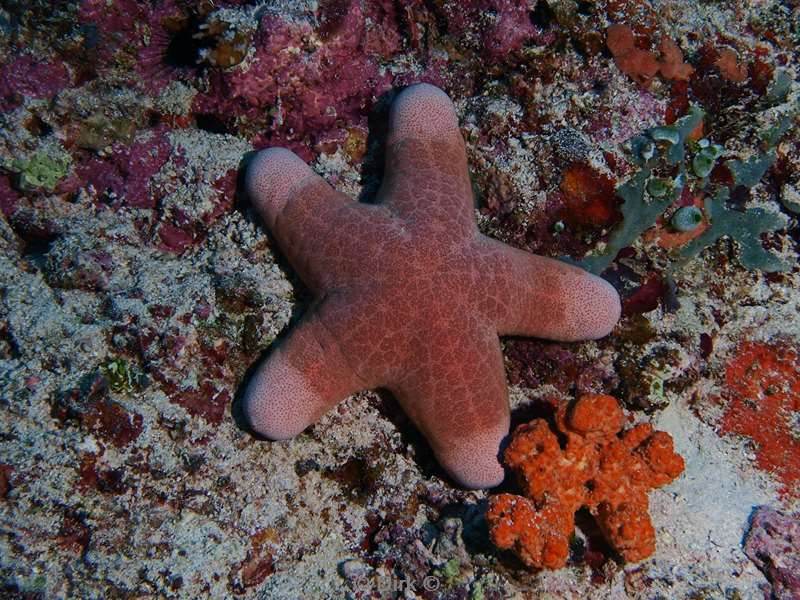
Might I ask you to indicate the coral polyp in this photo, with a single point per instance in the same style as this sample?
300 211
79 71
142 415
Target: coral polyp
687 218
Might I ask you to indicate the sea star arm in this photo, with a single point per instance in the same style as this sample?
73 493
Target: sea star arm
546 298
321 232
461 406
426 179
275 176
412 296
303 377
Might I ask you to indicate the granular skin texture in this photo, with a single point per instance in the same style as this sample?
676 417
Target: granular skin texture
602 468
409 296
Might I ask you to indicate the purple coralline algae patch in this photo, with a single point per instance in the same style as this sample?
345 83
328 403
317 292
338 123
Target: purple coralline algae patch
773 544
111 25
555 364
8 196
513 27
125 173
32 77
174 238
101 415
310 91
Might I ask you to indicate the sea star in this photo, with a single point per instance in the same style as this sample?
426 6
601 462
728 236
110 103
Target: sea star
409 295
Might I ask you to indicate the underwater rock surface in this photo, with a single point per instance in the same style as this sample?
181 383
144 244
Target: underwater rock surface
137 287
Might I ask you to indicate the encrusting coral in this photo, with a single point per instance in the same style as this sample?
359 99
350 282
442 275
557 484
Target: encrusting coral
600 467
674 149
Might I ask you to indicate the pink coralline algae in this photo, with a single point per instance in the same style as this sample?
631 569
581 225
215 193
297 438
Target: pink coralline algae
30 76
179 229
408 271
773 544
305 85
127 172
90 408
8 196
173 238
502 27
310 91
512 29
111 25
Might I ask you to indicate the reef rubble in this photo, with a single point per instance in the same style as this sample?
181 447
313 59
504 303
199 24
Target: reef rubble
138 287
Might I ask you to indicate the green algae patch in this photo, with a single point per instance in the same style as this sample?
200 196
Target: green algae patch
118 374
41 170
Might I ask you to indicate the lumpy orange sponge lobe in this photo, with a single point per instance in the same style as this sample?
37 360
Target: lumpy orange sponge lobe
595 415
628 528
539 538
599 467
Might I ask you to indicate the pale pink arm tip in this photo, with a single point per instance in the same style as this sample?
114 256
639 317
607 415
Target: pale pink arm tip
279 402
271 176
594 308
422 112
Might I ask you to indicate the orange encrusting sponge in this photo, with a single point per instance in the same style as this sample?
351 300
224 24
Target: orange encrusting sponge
600 467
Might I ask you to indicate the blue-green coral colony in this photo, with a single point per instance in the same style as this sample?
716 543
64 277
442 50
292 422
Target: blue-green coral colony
743 227
638 213
647 197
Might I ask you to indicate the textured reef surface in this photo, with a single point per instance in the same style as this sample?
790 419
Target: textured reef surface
654 142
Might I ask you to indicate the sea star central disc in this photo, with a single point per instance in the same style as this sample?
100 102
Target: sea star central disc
409 295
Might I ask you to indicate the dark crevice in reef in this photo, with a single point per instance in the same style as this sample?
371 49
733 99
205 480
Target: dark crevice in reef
37 126
154 118
372 165
35 249
211 123
183 50
541 15
9 348
35 242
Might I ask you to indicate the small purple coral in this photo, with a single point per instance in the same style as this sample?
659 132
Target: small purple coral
773 544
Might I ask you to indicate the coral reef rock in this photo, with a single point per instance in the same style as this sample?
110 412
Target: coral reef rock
773 544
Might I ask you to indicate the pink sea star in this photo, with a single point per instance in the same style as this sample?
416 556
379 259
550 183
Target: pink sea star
410 296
